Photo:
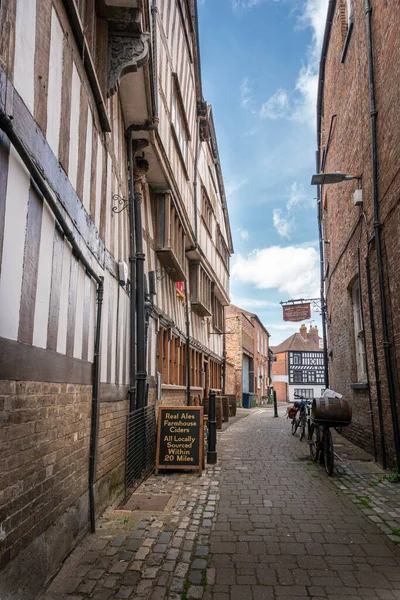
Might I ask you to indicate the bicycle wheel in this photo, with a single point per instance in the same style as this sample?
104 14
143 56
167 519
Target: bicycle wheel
314 441
328 452
295 425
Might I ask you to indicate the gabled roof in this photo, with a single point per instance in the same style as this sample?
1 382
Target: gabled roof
297 343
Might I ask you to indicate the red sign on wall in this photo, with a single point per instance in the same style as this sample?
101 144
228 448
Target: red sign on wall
296 312
180 289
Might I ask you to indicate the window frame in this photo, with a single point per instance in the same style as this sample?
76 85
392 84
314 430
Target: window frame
359 333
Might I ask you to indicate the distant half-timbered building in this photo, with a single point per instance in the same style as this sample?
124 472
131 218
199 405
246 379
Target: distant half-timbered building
114 255
298 368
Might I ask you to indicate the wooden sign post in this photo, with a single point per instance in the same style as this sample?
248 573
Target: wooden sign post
180 438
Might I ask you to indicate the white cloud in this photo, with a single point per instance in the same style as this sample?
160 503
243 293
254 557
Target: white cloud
292 270
245 93
244 234
284 221
284 225
314 16
300 107
253 303
247 4
276 107
234 184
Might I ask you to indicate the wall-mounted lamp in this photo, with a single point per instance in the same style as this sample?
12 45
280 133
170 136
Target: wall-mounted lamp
328 178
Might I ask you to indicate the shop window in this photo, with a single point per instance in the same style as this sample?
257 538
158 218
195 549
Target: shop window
306 393
171 358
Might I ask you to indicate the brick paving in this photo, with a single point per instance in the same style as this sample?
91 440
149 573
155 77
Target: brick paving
266 523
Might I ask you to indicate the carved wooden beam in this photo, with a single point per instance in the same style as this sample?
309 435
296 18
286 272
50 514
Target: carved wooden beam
128 45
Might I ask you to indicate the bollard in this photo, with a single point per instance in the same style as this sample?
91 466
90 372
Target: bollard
275 405
212 430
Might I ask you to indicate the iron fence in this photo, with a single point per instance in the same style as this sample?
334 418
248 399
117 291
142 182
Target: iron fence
140 446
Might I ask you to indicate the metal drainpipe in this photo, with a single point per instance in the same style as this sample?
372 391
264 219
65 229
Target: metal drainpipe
187 312
376 368
39 182
196 163
187 308
378 243
132 274
366 360
154 11
322 279
321 81
95 408
141 371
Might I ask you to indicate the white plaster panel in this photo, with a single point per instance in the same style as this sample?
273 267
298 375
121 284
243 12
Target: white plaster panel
99 175
92 321
104 329
24 56
88 162
114 295
44 279
79 313
108 202
13 246
63 314
55 84
74 127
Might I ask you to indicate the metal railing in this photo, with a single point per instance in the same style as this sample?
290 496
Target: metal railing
140 446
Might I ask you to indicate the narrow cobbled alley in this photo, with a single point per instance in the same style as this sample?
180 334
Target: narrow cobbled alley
266 523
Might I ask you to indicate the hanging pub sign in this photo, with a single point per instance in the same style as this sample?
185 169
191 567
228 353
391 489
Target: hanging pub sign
296 312
180 438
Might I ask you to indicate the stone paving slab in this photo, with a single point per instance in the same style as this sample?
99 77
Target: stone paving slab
266 523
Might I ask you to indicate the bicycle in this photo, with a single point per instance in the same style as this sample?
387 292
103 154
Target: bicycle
327 413
301 415
321 446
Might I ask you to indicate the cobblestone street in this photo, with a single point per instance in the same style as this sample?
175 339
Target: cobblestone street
266 523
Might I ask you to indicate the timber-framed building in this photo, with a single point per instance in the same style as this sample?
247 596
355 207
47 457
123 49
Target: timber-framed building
114 254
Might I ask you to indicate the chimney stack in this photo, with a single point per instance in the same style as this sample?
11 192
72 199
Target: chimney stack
313 336
303 331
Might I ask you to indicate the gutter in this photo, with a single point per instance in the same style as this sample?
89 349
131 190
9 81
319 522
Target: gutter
41 186
321 82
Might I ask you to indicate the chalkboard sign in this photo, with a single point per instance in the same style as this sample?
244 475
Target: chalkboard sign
180 438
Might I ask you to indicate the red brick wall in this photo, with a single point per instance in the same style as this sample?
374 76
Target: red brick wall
280 367
234 352
346 94
45 457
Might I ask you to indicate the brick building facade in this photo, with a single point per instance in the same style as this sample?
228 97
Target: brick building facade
246 354
359 134
108 158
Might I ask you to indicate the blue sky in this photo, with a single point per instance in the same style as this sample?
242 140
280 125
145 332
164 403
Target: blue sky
259 63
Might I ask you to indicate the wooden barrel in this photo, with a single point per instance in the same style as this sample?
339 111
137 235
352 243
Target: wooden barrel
232 405
218 411
333 411
225 408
